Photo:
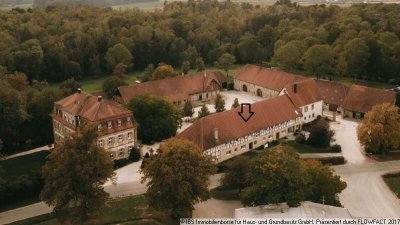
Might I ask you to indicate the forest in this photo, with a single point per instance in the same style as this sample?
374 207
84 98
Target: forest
57 43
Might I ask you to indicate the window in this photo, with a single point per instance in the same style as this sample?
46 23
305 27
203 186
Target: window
120 137
312 106
112 155
130 147
128 119
313 115
129 135
109 125
119 122
121 152
243 147
101 143
305 118
235 149
200 97
99 127
255 142
110 140
228 152
270 136
306 109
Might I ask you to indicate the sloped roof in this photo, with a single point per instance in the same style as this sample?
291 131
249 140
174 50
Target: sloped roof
173 88
89 107
307 92
265 77
230 125
362 99
332 92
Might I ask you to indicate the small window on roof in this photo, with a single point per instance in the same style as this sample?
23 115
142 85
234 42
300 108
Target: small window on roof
109 124
99 127
119 122
128 119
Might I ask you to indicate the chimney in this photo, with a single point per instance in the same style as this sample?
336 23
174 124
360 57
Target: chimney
99 98
295 88
216 133
79 90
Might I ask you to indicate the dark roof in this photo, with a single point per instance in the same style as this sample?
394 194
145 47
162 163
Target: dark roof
362 99
173 88
307 92
230 125
265 77
332 92
90 108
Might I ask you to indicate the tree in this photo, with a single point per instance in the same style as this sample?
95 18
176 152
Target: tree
118 54
225 62
158 118
238 173
74 176
219 103
235 103
200 64
28 58
148 73
111 84
188 109
379 131
69 86
120 70
250 50
323 185
178 177
185 67
354 58
288 55
320 134
163 71
276 176
319 59
203 111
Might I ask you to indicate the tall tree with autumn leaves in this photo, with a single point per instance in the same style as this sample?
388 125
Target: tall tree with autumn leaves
379 132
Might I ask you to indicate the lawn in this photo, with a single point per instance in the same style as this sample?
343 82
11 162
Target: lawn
24 165
221 193
393 181
304 148
9 7
130 210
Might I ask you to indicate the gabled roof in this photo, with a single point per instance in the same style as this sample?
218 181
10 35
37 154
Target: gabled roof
89 107
265 77
362 99
230 125
332 92
307 92
173 88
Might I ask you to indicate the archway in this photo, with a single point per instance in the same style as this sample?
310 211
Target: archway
259 93
244 88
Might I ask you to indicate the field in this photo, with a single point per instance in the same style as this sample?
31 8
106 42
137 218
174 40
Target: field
130 210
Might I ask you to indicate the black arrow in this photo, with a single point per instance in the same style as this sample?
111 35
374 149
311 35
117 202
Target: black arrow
245 111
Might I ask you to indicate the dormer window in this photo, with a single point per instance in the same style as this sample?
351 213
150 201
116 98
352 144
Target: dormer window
109 125
119 122
128 119
99 127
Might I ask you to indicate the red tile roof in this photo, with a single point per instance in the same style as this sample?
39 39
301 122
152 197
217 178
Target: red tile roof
362 99
90 108
174 88
307 92
230 125
332 93
265 77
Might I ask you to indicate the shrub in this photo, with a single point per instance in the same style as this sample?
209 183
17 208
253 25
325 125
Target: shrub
300 138
336 160
336 148
134 155
320 134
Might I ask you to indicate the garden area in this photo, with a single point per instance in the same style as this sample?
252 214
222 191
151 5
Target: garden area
131 210
393 181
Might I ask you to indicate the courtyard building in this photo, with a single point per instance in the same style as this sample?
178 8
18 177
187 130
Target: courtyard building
306 96
361 99
197 88
263 82
333 94
225 135
116 125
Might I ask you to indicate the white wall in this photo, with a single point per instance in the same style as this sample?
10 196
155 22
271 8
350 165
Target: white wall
252 88
312 111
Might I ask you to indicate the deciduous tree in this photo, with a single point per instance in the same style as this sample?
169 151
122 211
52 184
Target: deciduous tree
163 71
178 177
74 176
118 54
238 174
225 62
111 84
320 134
319 59
379 131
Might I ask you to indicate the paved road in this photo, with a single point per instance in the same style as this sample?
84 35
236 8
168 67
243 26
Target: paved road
39 149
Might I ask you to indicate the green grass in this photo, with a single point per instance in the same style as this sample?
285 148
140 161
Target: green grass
9 7
225 194
24 165
393 181
131 210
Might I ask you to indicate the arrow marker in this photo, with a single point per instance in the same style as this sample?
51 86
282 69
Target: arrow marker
245 111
